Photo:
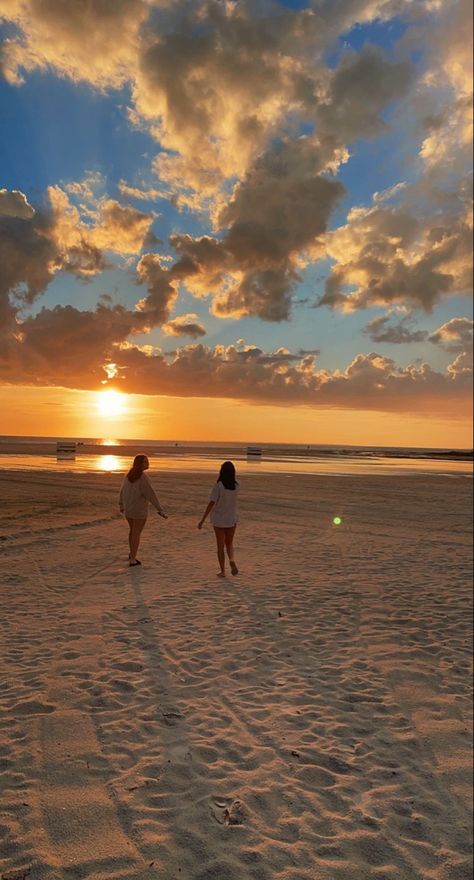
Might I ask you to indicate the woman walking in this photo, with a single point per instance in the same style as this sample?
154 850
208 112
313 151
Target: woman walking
223 512
135 496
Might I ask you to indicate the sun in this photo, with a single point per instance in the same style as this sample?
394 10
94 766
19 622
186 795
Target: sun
110 403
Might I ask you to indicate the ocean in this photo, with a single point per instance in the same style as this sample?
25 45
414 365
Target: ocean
109 455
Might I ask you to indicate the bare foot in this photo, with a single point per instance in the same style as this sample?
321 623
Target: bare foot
233 567
221 574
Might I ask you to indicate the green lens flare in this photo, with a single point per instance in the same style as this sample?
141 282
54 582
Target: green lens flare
337 520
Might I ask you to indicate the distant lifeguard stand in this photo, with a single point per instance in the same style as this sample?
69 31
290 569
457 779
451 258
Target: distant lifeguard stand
254 453
66 450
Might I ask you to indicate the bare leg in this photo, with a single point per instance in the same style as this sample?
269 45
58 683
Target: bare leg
220 540
136 528
229 546
130 527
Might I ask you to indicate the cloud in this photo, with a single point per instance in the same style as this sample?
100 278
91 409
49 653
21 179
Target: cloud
134 192
28 257
15 204
36 247
380 330
96 42
447 144
217 81
65 346
388 255
361 87
274 215
184 325
162 291
106 226
461 367
455 336
388 194
75 349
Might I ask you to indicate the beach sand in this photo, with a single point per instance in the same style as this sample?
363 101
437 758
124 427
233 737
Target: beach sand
306 720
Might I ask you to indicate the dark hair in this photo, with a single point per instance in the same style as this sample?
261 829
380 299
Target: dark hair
139 465
227 475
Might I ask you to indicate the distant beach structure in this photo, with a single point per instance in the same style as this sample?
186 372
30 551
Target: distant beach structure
66 449
254 453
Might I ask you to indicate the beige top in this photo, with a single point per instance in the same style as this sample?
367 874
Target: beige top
224 514
135 497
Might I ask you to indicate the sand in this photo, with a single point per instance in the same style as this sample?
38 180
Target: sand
306 720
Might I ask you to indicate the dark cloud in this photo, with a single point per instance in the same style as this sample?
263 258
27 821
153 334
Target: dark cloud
361 87
277 211
65 346
381 330
15 204
28 256
162 293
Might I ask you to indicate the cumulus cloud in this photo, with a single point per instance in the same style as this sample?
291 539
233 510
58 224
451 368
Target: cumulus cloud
185 325
388 255
15 204
446 91
221 83
216 80
66 347
96 42
108 226
274 215
455 336
37 245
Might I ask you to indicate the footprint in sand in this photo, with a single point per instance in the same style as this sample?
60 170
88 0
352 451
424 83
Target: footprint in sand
228 812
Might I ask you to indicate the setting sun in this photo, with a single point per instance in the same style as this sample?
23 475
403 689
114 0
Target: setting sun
110 403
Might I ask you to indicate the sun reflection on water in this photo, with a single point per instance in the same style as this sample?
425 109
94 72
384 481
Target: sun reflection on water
109 463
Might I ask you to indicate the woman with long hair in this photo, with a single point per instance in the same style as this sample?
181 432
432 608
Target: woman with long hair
223 512
135 496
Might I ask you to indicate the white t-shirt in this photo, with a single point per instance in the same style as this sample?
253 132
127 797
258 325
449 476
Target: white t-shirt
224 514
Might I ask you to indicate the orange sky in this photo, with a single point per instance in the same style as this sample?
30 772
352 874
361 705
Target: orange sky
60 412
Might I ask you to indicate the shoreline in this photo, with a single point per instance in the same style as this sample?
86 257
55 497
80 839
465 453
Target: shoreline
107 463
47 446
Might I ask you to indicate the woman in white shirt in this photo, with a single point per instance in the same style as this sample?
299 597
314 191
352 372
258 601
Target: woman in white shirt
135 495
224 515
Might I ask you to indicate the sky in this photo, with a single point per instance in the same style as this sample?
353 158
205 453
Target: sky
237 220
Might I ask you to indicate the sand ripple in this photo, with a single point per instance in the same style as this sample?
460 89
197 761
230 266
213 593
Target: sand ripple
308 720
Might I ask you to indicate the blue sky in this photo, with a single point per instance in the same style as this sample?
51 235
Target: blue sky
360 122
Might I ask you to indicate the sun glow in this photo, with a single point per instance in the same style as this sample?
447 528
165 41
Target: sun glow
110 403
